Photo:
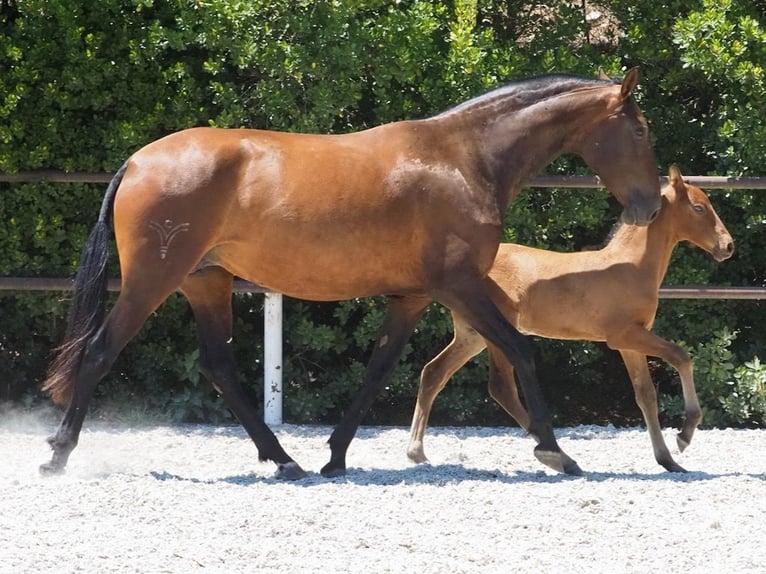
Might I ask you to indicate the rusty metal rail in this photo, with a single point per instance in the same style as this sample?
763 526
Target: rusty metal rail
65 284
241 286
572 181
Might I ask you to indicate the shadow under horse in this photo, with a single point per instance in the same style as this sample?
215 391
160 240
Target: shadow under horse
609 295
412 210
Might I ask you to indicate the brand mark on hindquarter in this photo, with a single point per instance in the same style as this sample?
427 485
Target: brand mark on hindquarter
167 232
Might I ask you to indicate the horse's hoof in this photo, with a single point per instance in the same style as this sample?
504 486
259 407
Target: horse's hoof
558 461
673 466
51 469
289 471
681 442
331 471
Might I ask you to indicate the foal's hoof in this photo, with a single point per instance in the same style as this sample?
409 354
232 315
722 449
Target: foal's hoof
332 471
681 442
558 461
417 456
289 471
51 469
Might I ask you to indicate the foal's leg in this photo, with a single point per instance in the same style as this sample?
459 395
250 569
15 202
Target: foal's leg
209 293
646 397
473 300
502 387
401 317
646 342
465 344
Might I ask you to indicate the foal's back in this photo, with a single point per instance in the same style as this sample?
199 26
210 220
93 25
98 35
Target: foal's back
579 296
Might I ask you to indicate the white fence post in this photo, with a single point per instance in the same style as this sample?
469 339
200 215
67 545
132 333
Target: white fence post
272 359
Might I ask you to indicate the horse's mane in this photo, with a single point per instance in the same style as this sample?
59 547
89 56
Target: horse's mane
529 91
619 224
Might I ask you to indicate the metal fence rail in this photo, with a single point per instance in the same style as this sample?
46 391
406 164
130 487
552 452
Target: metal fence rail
573 181
240 286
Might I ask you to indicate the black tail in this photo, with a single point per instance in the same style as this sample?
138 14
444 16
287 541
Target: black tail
88 302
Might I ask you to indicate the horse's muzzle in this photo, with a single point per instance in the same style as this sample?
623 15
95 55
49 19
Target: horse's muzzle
642 212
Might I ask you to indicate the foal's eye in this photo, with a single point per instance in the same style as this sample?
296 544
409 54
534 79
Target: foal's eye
699 208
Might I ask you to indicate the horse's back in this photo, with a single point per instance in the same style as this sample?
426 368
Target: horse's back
313 216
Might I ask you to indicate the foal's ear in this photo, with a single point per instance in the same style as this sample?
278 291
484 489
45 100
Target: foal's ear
602 75
629 82
676 179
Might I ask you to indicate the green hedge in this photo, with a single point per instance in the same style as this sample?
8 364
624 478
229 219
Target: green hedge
86 84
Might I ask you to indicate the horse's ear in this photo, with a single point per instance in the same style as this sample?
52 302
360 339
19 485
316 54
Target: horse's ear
629 82
676 179
602 75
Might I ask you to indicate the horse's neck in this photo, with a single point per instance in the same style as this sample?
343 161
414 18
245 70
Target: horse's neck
648 248
516 139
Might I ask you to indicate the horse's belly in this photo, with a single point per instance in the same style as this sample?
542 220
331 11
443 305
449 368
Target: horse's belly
321 276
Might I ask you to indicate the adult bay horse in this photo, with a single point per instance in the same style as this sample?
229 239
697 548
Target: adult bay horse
412 210
608 295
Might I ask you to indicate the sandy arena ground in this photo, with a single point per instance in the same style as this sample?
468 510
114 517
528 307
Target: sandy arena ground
194 498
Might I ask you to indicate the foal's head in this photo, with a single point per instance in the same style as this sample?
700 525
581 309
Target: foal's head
694 218
618 148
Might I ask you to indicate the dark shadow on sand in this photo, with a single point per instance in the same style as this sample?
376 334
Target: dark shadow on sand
440 475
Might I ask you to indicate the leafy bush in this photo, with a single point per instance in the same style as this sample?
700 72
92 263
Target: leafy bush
731 394
85 85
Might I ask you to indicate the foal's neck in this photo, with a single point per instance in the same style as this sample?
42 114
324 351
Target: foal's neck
649 248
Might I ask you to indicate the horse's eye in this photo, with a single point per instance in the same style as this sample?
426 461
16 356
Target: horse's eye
640 132
699 208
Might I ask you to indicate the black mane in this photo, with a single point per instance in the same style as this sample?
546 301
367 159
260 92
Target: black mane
531 90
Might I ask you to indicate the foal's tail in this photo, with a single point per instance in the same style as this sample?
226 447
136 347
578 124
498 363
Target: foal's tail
88 302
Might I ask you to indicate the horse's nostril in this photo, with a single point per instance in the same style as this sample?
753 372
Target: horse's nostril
730 248
654 215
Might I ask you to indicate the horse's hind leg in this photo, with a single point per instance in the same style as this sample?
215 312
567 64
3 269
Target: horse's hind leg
401 317
209 293
123 322
646 397
474 301
465 344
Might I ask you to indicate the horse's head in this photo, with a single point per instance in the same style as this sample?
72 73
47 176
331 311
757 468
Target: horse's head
617 147
694 217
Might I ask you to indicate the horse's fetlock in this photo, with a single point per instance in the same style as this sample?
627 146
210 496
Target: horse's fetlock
59 443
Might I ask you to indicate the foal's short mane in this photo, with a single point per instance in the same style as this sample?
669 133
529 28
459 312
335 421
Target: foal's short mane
529 91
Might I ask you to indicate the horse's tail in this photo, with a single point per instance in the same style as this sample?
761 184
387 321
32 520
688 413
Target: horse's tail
88 302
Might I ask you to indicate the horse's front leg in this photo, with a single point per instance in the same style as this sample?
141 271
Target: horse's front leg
473 299
646 397
680 359
401 317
